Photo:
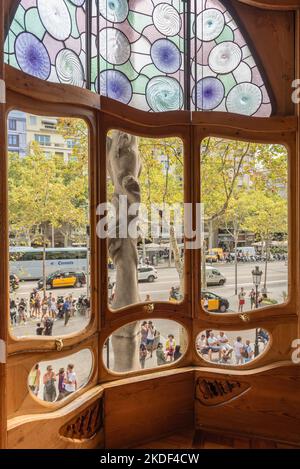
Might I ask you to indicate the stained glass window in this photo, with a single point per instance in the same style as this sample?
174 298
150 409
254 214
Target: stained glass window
137 50
225 76
47 39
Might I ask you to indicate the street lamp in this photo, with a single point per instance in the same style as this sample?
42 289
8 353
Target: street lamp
256 275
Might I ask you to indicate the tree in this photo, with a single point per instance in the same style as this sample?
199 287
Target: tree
267 215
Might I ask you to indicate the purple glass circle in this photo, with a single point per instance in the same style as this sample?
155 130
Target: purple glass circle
208 93
115 85
166 56
32 56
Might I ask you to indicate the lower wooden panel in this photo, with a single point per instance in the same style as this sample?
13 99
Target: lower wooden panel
264 403
139 410
77 425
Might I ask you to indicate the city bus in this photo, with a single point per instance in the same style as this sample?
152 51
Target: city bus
27 263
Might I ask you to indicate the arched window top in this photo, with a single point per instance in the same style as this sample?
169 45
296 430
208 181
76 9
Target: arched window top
154 55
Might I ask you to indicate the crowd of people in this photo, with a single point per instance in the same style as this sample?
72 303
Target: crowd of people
56 385
150 342
242 351
46 309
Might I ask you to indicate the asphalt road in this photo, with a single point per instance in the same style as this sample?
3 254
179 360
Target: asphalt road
277 280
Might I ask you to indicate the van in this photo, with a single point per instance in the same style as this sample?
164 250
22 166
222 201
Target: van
214 276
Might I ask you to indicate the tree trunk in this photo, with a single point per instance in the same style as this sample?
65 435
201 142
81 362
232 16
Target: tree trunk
178 262
124 167
44 265
266 264
236 238
203 269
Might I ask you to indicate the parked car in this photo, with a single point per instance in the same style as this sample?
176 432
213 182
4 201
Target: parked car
63 279
213 302
214 276
147 273
14 282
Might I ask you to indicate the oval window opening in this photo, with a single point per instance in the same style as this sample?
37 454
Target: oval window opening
54 380
232 348
146 344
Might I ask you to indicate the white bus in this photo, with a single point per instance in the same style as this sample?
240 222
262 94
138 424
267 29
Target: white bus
27 263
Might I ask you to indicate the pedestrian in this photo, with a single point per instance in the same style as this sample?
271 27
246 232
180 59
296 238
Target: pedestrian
213 345
39 329
148 298
170 347
252 295
49 380
34 379
226 348
70 380
238 350
48 325
22 311
177 353
44 306
241 297
248 351
161 359
144 332
37 305
53 311
61 384
13 312
150 337
66 310
49 303
143 355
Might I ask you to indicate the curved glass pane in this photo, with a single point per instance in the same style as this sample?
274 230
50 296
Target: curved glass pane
145 344
244 192
232 347
54 380
137 53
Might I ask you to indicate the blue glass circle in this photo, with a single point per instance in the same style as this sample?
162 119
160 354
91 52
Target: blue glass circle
115 11
208 93
166 56
32 56
115 85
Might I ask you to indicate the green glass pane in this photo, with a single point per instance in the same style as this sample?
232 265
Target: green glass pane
13 61
128 70
16 28
20 16
105 65
151 71
228 82
226 35
34 24
138 21
139 85
9 45
72 10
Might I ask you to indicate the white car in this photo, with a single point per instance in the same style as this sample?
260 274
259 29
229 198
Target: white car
146 273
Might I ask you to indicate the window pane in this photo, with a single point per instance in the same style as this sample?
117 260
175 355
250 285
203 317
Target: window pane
56 380
49 209
232 347
145 344
146 263
244 192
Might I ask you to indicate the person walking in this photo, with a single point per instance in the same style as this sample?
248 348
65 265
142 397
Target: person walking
241 298
252 295
34 379
170 347
61 384
49 380
66 310
144 332
239 351
160 356
70 380
143 355
150 337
